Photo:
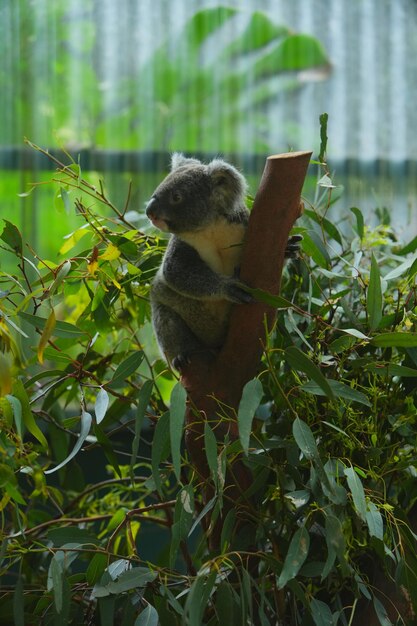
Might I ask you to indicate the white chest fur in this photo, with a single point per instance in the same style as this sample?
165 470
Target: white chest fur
219 245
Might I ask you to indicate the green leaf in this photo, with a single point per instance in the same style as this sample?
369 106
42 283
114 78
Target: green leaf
198 597
397 340
251 399
295 52
227 530
12 237
401 269
107 610
108 448
101 405
381 612
278 302
204 23
328 226
410 247
96 568
305 439
313 246
392 369
86 421
359 221
56 574
210 446
62 329
259 32
225 603
160 448
208 507
19 603
354 332
144 399
127 367
183 517
71 534
339 389
147 617
299 361
335 541
137 577
176 424
374 296
296 555
321 613
374 521
357 491
17 413
28 418
46 335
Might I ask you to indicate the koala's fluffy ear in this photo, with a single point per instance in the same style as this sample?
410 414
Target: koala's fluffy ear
179 160
226 176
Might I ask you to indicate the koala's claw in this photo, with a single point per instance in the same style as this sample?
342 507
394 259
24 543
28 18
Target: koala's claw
180 361
293 247
236 292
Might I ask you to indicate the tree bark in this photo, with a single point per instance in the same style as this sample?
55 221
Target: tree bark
275 209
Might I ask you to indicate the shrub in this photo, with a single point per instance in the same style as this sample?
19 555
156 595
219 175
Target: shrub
332 449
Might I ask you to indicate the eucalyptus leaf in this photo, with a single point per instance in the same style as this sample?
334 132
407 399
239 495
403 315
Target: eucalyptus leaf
339 389
374 521
101 405
360 228
137 577
210 446
299 361
401 269
321 613
357 491
147 617
305 439
56 576
17 413
374 296
86 421
144 399
176 425
395 339
19 603
381 612
160 448
251 399
295 557
127 367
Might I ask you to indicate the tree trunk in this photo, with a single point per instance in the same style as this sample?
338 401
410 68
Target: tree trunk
275 209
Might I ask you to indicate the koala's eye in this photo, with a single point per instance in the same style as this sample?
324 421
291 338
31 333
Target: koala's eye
176 197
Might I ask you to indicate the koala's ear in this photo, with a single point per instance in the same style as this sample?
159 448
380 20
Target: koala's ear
225 175
179 160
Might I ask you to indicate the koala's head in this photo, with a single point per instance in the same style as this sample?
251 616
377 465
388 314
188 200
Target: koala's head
194 195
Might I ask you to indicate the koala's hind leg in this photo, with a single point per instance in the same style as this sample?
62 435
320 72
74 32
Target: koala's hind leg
174 337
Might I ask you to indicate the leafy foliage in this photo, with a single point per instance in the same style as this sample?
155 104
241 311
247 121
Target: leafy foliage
332 448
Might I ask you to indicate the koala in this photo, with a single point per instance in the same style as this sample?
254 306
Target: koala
203 207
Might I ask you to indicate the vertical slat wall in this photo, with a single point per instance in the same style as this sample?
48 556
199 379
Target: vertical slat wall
80 72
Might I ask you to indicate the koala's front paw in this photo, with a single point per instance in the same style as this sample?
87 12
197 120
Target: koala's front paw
236 292
293 247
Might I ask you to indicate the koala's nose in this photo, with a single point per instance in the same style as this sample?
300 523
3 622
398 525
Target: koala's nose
151 207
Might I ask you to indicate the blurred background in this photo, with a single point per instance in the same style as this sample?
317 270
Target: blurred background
120 85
